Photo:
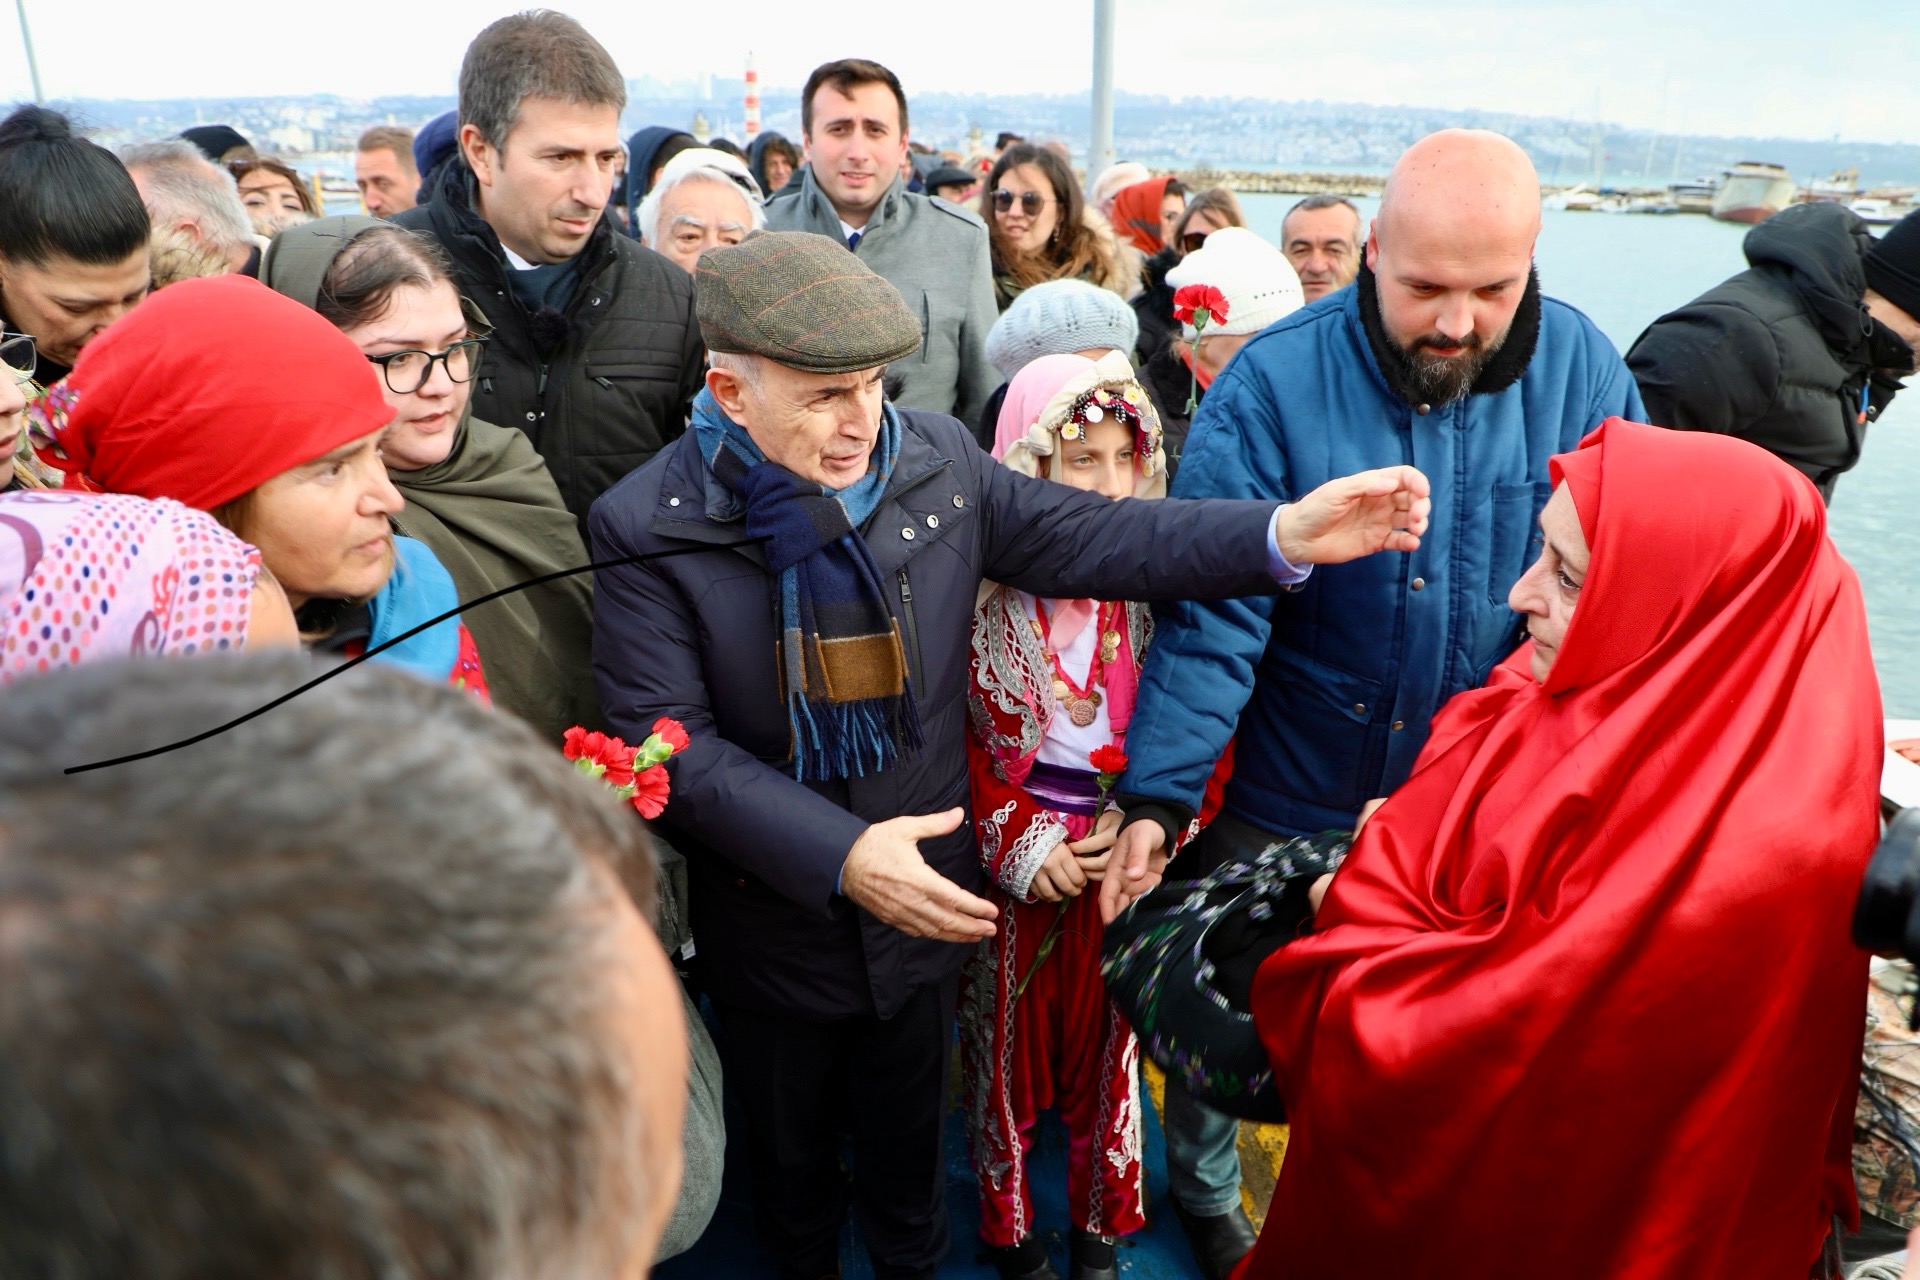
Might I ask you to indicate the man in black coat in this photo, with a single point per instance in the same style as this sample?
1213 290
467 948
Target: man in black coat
1801 351
595 353
832 914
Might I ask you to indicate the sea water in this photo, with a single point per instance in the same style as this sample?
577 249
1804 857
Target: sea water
1625 270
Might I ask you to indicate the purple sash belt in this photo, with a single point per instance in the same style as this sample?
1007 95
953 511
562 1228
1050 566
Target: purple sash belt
1075 791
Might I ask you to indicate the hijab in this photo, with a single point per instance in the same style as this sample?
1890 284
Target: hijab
86 577
1582 1002
206 391
1136 215
492 515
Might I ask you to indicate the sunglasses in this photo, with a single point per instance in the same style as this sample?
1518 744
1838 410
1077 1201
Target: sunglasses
17 353
1193 240
1031 202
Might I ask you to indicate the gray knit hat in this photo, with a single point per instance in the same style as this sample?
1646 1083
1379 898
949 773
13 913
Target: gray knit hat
801 300
1059 318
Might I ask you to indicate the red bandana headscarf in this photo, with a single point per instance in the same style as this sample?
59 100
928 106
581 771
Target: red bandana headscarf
207 390
1136 214
1582 1003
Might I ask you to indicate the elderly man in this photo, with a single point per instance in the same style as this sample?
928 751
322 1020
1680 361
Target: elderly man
702 199
1321 238
383 169
354 989
810 628
200 228
1447 356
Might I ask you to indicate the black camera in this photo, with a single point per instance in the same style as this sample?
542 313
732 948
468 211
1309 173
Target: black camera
1887 915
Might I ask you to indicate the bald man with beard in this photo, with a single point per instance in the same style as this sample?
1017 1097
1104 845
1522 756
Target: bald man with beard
1445 355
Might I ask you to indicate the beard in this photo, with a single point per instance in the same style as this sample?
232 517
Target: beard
1444 379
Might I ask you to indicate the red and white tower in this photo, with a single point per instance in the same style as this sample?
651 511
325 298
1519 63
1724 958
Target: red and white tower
753 99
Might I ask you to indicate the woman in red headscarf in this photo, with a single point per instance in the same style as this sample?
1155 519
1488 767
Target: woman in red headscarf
1582 1002
1143 214
221 394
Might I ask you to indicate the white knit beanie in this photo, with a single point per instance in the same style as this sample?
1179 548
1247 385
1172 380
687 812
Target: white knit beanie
1257 280
1059 318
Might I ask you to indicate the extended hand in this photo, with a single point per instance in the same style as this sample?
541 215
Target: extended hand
1355 516
1135 866
885 873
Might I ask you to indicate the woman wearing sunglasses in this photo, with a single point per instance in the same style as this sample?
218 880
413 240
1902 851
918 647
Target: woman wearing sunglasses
16 378
1041 229
477 494
225 396
1214 209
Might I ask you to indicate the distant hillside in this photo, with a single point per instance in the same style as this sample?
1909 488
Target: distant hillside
1223 133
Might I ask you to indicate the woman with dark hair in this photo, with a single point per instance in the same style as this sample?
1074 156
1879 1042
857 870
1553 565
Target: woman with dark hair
275 194
221 394
1040 228
477 494
73 239
774 162
1212 210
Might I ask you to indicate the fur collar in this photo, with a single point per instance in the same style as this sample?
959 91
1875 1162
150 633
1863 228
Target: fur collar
1506 367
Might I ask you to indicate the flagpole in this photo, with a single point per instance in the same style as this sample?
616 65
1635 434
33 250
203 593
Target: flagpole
1100 152
26 39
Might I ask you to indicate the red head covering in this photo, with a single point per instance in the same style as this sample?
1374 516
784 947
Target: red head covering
209 389
1136 214
1582 1002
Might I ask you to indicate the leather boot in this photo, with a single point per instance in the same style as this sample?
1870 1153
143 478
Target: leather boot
1026 1260
1094 1257
1219 1242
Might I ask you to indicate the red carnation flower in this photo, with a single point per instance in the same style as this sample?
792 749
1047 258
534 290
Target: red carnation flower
1192 298
1108 759
650 789
611 754
673 733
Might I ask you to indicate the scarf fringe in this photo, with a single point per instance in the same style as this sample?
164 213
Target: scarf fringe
853 739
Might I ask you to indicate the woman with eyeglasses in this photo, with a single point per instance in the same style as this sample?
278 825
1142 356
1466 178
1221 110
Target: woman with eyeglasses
1041 229
1211 210
477 494
223 395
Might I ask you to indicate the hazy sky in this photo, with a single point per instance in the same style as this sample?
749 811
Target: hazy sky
1774 67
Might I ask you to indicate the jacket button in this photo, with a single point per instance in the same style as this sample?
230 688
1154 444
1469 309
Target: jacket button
673 502
958 502
1398 725
739 882
1419 584
531 415
1423 410
1359 708
907 533
933 522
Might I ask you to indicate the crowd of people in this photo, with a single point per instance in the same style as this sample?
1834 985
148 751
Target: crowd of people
1006 556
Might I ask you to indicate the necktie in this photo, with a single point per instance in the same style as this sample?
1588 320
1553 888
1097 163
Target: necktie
853 241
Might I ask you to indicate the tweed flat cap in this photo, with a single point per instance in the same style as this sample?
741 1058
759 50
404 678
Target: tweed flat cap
804 301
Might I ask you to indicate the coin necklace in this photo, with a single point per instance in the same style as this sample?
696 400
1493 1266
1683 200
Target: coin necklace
1082 702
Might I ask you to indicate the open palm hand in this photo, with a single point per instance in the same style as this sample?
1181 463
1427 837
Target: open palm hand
1355 516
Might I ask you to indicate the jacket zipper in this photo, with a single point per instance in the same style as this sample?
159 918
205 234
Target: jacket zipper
913 634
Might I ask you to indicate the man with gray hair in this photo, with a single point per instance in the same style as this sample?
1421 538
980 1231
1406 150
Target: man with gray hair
808 621
594 353
702 199
358 988
1321 237
200 228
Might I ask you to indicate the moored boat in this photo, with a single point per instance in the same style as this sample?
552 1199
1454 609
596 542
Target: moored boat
1752 191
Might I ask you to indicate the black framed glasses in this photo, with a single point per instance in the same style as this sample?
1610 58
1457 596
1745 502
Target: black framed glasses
18 353
407 371
1031 202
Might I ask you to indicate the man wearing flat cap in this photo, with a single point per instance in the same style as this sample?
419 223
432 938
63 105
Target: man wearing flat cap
813 639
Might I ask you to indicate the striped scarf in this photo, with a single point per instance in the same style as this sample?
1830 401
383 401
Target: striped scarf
843 668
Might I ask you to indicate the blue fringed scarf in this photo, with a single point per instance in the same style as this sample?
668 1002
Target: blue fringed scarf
843 668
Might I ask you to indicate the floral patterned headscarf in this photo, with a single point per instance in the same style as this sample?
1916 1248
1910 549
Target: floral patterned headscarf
84 577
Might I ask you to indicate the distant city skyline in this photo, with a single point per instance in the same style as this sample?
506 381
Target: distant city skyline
1703 67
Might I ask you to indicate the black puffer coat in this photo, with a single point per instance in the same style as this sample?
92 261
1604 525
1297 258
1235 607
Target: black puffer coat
1781 353
599 387
693 637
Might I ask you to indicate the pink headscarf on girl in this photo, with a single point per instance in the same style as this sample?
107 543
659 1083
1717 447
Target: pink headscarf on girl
86 577
1041 401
